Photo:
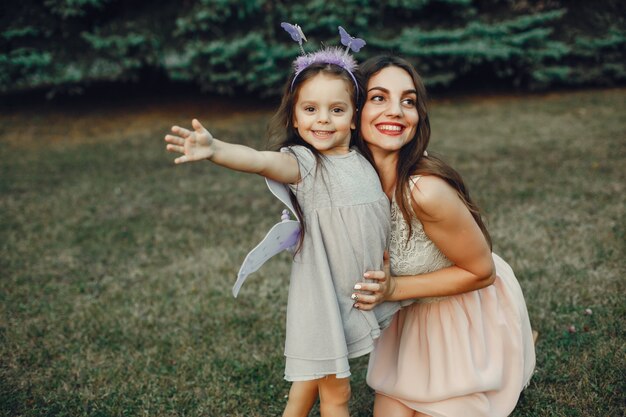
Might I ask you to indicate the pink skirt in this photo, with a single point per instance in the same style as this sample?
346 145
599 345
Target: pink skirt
466 355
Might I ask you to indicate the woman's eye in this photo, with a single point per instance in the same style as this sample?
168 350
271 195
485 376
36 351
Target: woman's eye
376 98
408 102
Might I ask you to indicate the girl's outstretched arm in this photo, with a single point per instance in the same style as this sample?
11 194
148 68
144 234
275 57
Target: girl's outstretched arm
199 144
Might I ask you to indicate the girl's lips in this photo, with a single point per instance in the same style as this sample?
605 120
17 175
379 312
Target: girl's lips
322 133
392 129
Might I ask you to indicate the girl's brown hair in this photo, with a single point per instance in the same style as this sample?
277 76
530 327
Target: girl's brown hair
412 160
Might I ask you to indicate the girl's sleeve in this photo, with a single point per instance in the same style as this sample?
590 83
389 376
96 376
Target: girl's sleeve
306 162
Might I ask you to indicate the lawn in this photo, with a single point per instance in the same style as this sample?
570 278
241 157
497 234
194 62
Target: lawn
116 266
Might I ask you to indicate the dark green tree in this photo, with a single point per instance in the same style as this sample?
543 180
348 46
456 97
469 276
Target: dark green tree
230 47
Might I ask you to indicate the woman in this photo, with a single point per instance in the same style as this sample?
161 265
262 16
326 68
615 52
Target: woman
463 345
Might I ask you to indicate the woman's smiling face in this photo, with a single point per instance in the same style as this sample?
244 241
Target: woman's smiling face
389 118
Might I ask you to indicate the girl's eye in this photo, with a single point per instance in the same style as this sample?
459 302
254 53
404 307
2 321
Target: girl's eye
376 98
309 109
409 102
337 110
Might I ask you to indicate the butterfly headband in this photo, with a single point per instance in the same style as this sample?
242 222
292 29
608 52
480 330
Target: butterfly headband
329 55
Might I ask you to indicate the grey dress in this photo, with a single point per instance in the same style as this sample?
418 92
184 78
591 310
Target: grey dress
347 220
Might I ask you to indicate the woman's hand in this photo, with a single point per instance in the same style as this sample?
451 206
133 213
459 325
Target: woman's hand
194 145
369 294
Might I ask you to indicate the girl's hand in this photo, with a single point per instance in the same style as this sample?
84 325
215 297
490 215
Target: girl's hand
369 294
194 145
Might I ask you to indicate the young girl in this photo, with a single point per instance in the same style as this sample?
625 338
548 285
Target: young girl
345 224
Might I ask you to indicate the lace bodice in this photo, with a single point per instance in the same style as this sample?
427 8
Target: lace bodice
419 254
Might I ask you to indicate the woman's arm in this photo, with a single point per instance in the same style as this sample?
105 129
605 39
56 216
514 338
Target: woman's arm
449 224
200 144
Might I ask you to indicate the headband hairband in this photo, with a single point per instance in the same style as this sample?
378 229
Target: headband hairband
328 55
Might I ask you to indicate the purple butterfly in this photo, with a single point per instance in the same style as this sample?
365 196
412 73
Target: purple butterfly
352 43
282 236
295 31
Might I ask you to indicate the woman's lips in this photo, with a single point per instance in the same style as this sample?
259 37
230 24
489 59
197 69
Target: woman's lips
392 129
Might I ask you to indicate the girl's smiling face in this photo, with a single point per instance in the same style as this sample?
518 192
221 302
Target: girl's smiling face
324 114
389 118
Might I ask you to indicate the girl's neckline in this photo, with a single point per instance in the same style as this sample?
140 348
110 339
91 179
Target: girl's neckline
341 155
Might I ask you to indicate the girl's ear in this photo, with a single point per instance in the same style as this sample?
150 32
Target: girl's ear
354 119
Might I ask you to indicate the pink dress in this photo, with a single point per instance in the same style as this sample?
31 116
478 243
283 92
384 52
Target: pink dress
465 355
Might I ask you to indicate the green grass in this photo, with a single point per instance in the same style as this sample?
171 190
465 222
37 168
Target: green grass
116 266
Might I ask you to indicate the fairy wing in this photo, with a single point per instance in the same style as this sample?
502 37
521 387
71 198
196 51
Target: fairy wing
282 236
281 192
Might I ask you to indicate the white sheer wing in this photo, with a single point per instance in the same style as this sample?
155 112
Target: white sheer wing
282 236
281 192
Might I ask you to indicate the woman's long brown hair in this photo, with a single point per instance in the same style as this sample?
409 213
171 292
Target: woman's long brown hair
412 160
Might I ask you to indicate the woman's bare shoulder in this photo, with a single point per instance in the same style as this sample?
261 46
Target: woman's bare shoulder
433 197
